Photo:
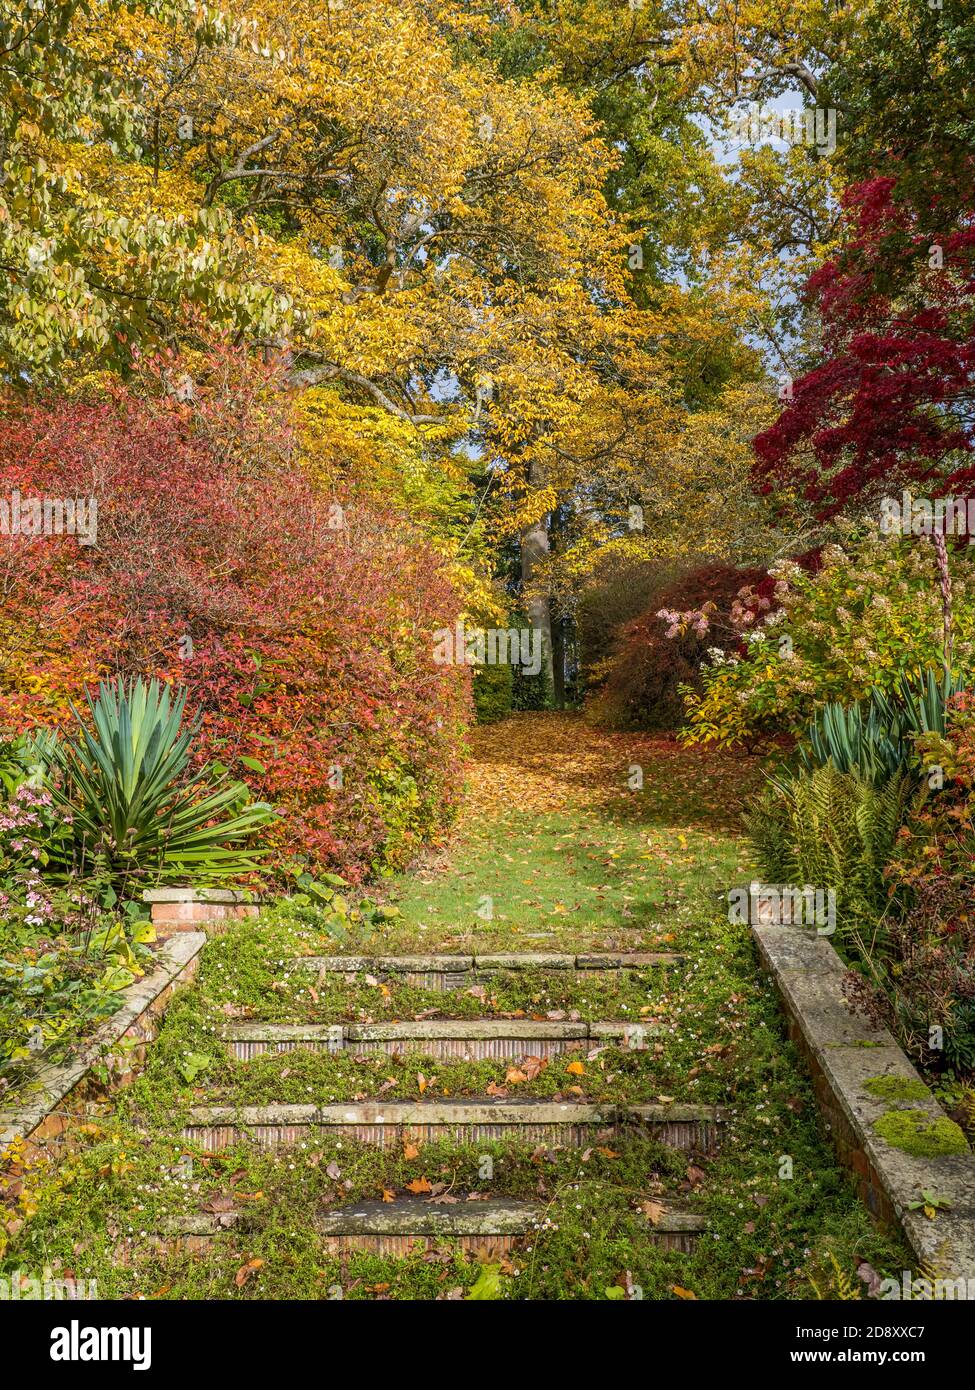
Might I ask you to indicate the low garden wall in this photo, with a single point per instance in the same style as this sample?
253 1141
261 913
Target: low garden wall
887 1127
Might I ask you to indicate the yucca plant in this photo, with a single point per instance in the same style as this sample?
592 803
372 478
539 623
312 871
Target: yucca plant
136 809
875 739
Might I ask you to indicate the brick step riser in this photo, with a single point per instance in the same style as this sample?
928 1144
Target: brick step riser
395 1247
689 1135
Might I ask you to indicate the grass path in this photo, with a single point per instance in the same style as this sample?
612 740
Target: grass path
557 850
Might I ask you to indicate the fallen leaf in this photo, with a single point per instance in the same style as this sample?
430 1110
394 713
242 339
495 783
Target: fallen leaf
419 1185
682 1293
246 1272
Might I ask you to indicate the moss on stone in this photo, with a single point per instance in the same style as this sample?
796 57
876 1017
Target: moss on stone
921 1135
895 1088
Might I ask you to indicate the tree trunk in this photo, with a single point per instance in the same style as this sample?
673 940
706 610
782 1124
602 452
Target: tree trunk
535 548
558 663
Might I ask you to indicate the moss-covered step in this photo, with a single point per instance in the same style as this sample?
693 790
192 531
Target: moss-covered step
468 1040
395 1228
459 972
215 1127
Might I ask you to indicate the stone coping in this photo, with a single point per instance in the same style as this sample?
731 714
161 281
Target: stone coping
140 1003
199 895
485 1111
534 960
846 1056
459 1029
415 1216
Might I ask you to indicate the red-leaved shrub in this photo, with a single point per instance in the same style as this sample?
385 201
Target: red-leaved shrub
302 629
641 686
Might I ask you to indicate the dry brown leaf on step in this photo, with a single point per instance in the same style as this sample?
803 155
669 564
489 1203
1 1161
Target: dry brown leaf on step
247 1271
221 1202
388 1195
410 1150
313 992
334 1171
250 1196
607 1153
576 1069
682 1293
573 1090
695 1175
421 1081
493 1089
665 1100
532 1066
653 1211
419 1185
514 1076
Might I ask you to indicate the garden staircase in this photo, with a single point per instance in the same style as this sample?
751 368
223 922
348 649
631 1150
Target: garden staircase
395 1227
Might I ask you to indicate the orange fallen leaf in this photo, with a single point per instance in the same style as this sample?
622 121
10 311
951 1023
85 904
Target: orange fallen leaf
419 1185
246 1271
576 1069
388 1196
410 1150
682 1293
514 1076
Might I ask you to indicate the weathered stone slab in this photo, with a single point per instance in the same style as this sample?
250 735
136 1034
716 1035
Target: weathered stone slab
627 960
199 895
525 960
412 1217
383 965
861 1078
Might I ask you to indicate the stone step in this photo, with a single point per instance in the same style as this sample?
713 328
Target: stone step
457 972
409 1223
468 1040
216 1127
